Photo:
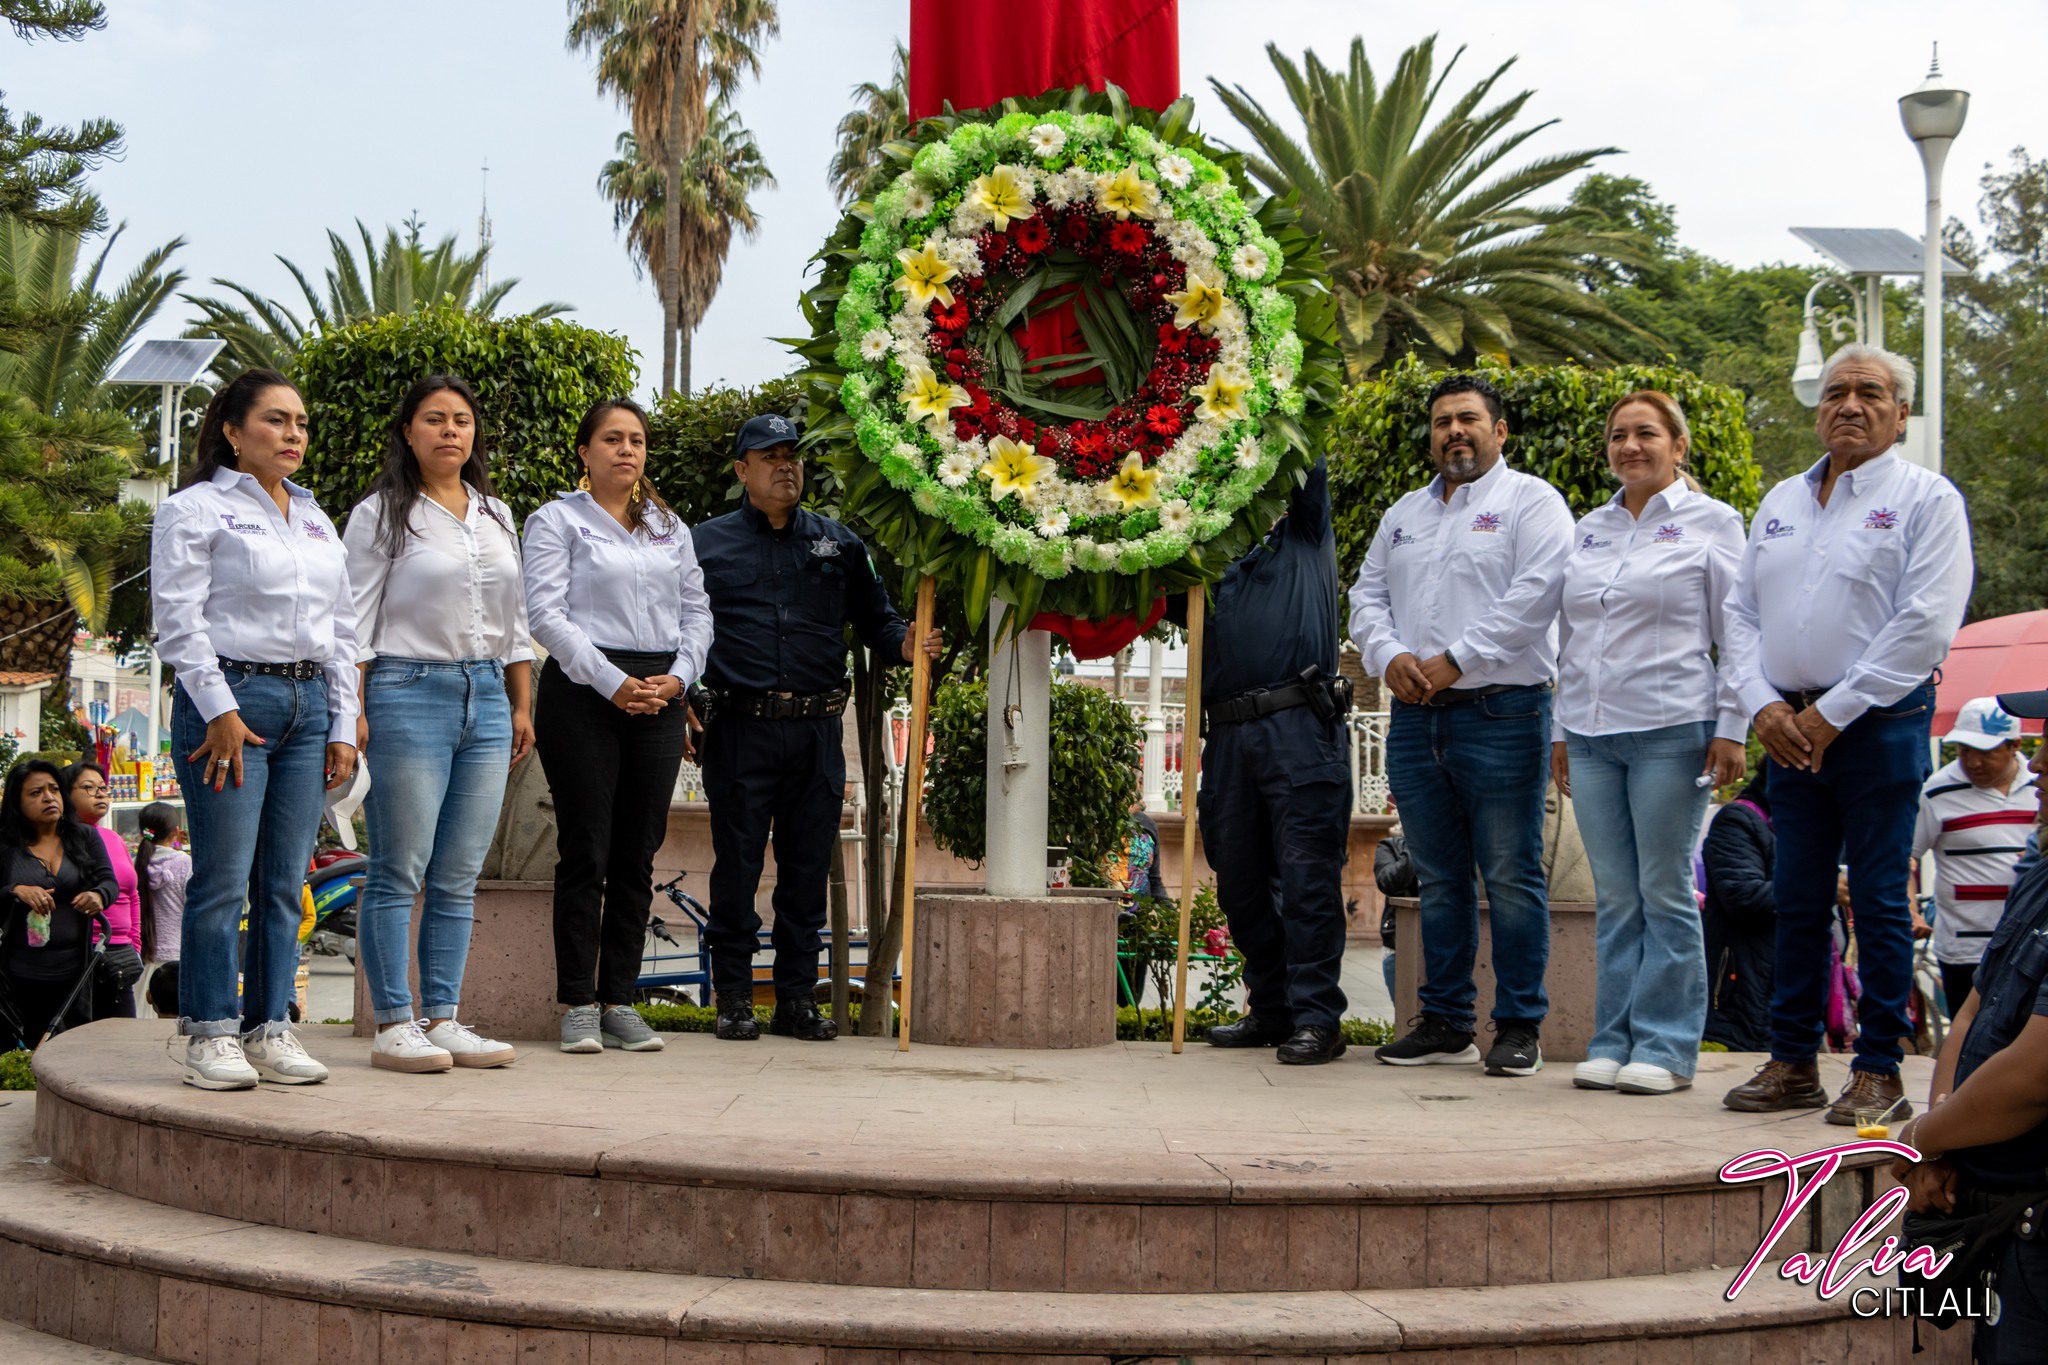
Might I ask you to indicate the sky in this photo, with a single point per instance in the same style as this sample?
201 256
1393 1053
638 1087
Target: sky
255 127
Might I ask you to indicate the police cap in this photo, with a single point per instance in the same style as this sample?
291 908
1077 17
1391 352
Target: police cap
761 432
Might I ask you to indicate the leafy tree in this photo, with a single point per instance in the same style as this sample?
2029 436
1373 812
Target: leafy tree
718 178
399 275
1433 245
880 116
668 62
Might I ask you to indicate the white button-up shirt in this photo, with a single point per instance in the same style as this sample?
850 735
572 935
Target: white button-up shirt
592 586
453 592
1860 598
1643 599
232 578
1478 575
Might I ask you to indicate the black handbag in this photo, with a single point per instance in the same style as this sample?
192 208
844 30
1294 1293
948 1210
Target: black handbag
120 966
1973 1242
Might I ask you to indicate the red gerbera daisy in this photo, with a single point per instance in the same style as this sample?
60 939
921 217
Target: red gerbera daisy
1127 238
952 317
1031 235
1163 420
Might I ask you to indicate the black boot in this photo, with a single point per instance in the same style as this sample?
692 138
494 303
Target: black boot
797 1016
1250 1031
736 1021
1312 1045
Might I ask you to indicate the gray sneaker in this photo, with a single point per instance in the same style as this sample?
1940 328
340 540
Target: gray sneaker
626 1030
579 1030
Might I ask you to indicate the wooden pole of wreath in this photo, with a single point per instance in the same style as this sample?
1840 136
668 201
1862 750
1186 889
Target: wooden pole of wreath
1190 766
913 796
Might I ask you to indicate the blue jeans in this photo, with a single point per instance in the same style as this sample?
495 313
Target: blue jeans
1638 810
440 746
1468 779
250 844
1859 809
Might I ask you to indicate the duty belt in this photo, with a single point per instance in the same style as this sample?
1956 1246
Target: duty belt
782 705
299 670
1265 701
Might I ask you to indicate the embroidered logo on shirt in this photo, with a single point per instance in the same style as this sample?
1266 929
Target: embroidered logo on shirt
1670 535
1400 538
314 530
665 538
1883 519
243 528
1777 530
1591 544
824 547
593 536
1486 521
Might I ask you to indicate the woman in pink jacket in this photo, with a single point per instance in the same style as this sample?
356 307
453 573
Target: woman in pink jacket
86 793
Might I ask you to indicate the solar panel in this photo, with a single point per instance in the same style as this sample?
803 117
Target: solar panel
1872 251
167 362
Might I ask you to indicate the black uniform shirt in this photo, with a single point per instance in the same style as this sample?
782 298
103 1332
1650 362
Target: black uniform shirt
1275 611
2009 993
781 600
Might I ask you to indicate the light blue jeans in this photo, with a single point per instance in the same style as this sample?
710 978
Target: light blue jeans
440 745
1638 811
250 845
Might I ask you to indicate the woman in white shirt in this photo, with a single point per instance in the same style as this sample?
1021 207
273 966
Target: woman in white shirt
251 599
1646 724
618 602
447 710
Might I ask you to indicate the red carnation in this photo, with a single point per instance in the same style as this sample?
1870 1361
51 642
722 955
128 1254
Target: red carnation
1163 420
1127 238
1031 236
1077 228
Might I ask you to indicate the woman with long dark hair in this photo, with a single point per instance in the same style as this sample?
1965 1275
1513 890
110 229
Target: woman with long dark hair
87 800
617 599
54 878
249 585
162 870
447 705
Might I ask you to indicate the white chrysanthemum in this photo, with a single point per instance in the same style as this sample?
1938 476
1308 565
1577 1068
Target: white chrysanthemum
907 451
960 253
1052 523
875 345
1281 375
1047 139
956 469
1248 454
1248 262
1078 183
969 218
1176 170
917 202
1178 461
1176 516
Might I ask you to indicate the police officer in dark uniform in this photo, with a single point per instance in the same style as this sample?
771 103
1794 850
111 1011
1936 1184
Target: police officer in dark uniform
784 584
1275 806
1984 1137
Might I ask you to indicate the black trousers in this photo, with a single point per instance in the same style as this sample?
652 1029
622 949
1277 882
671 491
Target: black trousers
1957 979
37 1001
1275 813
612 776
787 777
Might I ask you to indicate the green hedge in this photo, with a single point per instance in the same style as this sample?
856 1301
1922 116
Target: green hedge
535 378
690 459
1378 438
15 1071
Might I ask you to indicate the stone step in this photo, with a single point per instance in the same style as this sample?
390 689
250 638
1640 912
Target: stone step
107 1269
610 1163
25 1346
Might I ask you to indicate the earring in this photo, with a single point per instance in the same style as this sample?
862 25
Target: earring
583 484
640 490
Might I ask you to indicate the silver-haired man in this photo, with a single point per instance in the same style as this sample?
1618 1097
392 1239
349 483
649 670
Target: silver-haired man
1851 589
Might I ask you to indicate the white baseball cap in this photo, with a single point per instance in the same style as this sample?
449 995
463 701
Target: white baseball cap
1983 724
344 802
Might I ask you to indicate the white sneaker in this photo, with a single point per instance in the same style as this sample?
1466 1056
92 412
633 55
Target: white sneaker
1640 1078
468 1047
279 1058
215 1063
1595 1073
403 1047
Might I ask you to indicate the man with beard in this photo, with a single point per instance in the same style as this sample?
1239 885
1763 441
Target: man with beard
1853 585
1456 608
784 584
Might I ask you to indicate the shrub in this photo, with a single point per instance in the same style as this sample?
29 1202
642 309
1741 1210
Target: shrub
1096 747
1378 439
535 377
689 456
15 1071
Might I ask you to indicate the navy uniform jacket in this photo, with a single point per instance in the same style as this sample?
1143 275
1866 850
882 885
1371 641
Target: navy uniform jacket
1275 611
2009 993
781 600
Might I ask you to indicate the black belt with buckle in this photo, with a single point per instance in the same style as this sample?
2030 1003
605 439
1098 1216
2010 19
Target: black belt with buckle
1802 699
299 670
782 705
1452 696
1330 696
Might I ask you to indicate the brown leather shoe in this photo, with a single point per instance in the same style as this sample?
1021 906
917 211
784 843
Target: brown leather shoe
1778 1085
1870 1090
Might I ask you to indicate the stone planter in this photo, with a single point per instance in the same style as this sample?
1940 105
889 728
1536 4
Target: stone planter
1569 980
1036 973
508 989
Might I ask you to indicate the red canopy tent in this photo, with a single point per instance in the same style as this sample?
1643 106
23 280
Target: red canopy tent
2003 654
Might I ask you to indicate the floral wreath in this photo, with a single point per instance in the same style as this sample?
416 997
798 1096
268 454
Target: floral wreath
1089 481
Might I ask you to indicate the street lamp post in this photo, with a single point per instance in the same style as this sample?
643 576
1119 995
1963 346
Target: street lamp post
1806 370
1933 115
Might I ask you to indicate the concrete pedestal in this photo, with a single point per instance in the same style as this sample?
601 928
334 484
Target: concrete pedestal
508 989
1573 958
1037 972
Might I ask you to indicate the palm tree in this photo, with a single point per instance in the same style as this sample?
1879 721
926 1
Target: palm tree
668 62
66 444
1431 242
880 116
719 176
399 275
